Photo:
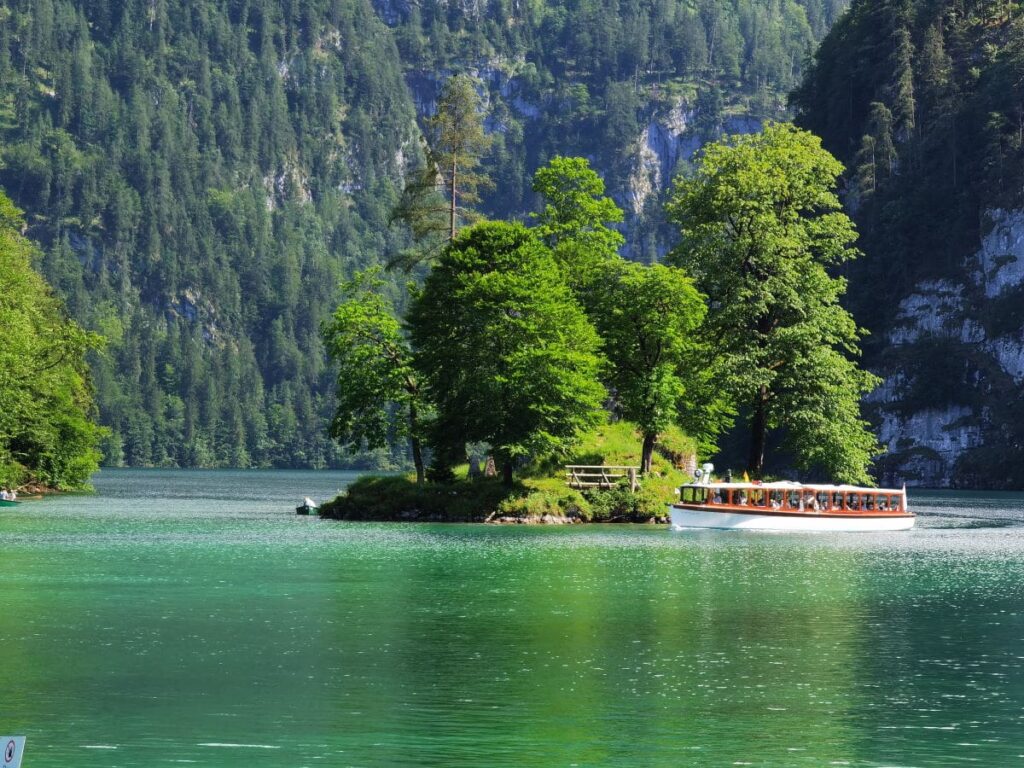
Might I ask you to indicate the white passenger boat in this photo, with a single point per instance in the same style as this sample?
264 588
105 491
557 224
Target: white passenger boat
788 506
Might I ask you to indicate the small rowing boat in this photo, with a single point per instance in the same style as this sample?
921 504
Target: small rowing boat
788 506
309 507
8 503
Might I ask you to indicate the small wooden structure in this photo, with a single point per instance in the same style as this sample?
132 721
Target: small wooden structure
581 476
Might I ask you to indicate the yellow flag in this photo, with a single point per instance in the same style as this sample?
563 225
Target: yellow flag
746 477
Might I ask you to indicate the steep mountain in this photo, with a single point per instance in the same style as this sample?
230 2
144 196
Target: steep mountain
636 86
924 102
200 175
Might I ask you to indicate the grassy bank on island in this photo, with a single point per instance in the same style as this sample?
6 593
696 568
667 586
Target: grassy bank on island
540 493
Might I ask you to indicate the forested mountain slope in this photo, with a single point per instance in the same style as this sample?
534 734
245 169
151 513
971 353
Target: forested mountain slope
634 85
924 102
200 175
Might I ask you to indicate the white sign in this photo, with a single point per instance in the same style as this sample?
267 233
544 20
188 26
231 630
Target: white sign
13 748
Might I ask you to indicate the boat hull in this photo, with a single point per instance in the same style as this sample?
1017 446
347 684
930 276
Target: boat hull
682 518
8 503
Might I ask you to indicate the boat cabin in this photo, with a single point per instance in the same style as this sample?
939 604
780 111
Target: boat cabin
788 497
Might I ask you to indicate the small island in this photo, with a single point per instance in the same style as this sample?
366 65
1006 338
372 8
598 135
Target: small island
540 494
532 348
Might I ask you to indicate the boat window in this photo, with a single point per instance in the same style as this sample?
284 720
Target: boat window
824 499
777 499
695 495
793 499
836 502
853 501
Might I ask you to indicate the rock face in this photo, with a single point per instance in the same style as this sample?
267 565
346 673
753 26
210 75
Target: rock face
954 367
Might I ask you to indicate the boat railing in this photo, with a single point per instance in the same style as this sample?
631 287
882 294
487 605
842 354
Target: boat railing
583 476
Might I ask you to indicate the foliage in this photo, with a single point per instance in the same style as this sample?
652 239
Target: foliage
953 83
200 177
374 497
621 504
761 225
574 221
47 434
378 392
538 491
507 354
440 196
648 317
574 206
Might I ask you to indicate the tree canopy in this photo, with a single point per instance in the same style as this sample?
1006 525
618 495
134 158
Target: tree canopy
441 195
761 226
648 317
47 432
378 392
507 354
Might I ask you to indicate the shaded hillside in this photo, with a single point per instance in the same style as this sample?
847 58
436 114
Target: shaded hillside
924 102
200 175
635 86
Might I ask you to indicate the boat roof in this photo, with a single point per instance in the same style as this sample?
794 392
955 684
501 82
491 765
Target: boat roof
789 485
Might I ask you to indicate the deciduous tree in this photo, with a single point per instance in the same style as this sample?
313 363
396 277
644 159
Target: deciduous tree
378 391
761 226
647 317
47 432
507 353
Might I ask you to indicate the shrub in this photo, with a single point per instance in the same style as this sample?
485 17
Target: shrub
620 504
564 503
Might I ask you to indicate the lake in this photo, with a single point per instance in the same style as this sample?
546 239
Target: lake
188 617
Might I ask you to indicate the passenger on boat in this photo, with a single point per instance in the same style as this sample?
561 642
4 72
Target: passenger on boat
4 496
776 504
717 498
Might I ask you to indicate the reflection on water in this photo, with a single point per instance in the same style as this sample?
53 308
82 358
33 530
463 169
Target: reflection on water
191 617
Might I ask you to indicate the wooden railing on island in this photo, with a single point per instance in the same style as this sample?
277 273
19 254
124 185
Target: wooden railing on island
581 476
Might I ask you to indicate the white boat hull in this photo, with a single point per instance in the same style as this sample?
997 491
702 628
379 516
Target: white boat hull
690 518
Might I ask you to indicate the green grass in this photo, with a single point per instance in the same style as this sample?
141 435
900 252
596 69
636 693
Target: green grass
540 489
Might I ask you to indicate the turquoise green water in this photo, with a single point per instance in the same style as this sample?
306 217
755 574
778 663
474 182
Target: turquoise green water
192 618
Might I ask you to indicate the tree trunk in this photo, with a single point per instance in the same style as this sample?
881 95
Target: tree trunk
647 452
451 213
758 434
506 472
414 443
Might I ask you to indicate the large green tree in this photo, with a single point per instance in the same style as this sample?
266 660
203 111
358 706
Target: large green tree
47 433
647 317
761 227
379 398
507 353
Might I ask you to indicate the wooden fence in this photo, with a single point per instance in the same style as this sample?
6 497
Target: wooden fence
581 476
